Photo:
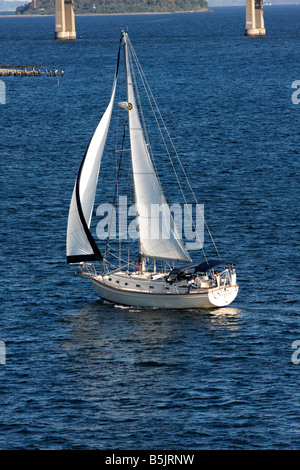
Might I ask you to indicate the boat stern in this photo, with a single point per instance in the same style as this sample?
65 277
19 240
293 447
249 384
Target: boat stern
223 296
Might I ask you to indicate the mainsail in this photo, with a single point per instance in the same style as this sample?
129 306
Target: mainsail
80 244
158 235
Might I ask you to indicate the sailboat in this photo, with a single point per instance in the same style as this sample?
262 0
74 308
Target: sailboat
161 273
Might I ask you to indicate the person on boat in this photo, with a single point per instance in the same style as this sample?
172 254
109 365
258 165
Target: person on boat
191 283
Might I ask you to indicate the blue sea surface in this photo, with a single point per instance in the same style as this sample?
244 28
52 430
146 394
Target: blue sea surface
80 373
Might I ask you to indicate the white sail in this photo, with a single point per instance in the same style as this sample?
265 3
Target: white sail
80 244
158 234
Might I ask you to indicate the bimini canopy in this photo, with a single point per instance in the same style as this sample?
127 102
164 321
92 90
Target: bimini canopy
207 265
181 273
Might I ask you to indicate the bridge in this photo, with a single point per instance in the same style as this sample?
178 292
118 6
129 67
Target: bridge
254 18
65 19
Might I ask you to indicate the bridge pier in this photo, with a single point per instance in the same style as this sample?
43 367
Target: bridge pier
254 18
64 20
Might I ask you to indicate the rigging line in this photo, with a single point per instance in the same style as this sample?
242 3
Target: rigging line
175 151
119 258
191 189
117 133
113 268
127 68
151 156
147 87
132 51
141 109
141 74
129 191
138 96
116 189
133 263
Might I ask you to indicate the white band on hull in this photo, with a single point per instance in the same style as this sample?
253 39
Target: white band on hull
212 298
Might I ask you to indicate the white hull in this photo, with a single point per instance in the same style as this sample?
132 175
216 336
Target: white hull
197 298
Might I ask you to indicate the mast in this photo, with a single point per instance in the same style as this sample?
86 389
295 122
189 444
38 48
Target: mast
141 261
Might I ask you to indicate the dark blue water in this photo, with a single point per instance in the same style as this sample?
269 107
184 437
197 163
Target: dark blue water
83 374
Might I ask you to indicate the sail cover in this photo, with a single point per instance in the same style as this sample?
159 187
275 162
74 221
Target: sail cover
80 244
158 234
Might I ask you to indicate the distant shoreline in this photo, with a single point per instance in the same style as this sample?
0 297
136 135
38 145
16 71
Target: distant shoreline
114 14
